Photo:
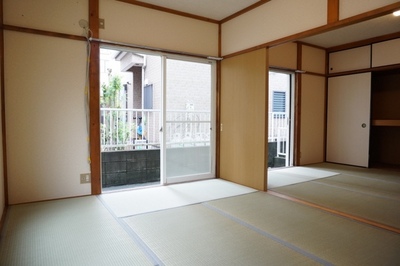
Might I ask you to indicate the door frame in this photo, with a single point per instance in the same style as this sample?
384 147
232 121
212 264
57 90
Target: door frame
290 161
163 175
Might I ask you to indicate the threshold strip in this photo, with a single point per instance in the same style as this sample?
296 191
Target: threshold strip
142 245
340 213
268 235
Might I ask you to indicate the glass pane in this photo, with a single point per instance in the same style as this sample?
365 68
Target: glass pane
130 119
279 120
188 120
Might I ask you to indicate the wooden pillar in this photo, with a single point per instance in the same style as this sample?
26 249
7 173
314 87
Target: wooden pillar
94 100
333 11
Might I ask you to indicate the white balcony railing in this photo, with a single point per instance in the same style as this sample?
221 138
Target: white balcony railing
184 128
278 131
119 129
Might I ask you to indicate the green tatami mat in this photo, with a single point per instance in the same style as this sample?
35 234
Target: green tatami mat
333 238
77 231
368 206
196 235
391 175
372 186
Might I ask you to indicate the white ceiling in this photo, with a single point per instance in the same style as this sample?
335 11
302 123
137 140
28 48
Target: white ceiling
220 9
361 31
213 9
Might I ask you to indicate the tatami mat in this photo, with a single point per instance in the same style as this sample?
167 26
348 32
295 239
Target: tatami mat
77 231
372 186
294 175
387 174
139 201
196 235
369 206
338 240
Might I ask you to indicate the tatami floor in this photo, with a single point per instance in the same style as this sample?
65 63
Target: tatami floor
321 214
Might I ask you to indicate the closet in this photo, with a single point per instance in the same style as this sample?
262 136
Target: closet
363 110
385 118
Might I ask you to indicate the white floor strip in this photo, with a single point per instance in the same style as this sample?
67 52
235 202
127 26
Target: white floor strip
129 203
295 175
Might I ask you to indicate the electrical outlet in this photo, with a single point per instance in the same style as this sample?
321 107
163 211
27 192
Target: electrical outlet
85 178
102 24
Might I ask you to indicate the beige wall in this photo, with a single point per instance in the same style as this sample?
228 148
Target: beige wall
243 119
45 119
312 128
312 104
284 56
134 24
58 16
272 21
45 79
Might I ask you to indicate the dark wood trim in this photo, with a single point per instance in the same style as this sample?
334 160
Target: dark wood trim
371 69
364 42
168 10
43 32
314 74
245 10
218 122
3 113
339 24
266 126
272 67
94 100
297 109
311 45
351 72
218 110
336 212
333 11
326 105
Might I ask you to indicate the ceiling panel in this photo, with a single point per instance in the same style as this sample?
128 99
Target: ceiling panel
214 9
361 31
220 9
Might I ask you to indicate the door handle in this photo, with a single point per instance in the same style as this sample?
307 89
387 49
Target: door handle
363 125
160 129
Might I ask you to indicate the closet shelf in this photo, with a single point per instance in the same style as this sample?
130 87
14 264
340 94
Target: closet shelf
386 123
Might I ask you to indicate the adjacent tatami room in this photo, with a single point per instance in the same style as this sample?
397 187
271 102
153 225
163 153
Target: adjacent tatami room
323 190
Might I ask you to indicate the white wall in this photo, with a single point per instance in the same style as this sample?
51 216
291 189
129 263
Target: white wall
272 21
45 117
44 82
58 16
138 25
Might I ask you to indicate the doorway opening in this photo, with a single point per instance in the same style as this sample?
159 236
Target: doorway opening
280 118
156 119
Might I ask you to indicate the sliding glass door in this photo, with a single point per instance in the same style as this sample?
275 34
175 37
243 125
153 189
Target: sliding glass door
188 116
156 119
280 119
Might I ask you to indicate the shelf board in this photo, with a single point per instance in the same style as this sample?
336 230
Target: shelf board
386 123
